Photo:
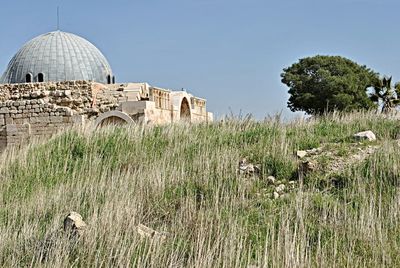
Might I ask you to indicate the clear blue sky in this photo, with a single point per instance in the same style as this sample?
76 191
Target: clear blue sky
230 52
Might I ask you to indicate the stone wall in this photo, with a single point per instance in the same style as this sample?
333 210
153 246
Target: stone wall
24 119
83 97
40 109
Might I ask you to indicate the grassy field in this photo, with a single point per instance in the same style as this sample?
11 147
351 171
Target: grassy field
183 180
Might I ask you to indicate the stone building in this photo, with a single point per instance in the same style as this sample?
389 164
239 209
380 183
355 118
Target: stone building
59 79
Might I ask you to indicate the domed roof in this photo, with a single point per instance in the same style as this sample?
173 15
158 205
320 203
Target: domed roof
57 56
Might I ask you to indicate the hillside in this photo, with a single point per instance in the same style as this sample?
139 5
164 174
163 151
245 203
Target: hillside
183 182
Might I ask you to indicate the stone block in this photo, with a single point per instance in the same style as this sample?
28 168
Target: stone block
66 119
43 119
56 119
68 112
11 129
8 119
21 121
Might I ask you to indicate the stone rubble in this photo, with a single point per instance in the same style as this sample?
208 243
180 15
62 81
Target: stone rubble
301 154
309 166
365 135
248 168
271 180
280 188
74 224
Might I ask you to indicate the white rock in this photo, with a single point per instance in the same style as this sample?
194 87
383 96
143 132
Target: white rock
276 195
365 135
314 151
73 223
271 179
301 154
280 188
248 168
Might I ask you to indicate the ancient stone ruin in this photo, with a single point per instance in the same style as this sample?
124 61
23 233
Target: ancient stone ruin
58 80
37 109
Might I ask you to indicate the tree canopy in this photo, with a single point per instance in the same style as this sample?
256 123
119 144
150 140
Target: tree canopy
325 83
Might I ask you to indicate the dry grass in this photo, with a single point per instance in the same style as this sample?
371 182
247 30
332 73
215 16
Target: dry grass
182 180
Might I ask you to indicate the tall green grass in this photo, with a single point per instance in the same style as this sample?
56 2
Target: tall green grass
183 180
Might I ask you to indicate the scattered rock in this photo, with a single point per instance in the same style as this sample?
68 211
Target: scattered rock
74 225
314 151
365 135
271 179
280 188
301 154
292 184
248 168
145 231
276 195
309 166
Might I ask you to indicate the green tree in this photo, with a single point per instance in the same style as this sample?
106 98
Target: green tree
385 94
325 83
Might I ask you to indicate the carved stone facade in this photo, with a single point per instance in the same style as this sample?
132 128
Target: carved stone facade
32 110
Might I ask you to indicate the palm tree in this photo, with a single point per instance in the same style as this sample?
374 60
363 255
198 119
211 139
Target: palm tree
385 94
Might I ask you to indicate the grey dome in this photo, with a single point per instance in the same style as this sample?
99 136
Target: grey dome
57 56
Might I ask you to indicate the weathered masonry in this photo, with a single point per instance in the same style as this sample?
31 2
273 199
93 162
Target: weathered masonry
59 79
40 109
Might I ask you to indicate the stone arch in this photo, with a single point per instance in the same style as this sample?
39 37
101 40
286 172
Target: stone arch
185 114
113 118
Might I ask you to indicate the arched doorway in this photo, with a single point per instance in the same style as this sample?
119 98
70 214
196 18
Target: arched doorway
185 110
112 121
115 118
